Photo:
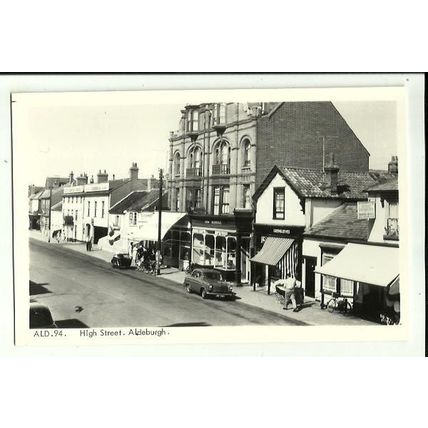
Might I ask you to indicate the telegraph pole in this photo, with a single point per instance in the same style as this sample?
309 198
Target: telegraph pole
158 252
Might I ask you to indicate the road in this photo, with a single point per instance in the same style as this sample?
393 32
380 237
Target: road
83 291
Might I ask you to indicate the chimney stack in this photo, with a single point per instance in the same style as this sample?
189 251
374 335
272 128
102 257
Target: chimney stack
331 172
91 181
82 179
102 177
133 172
71 177
393 165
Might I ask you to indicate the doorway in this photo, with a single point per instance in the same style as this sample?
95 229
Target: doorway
310 264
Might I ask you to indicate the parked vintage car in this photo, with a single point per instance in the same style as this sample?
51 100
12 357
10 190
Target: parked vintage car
120 260
40 316
208 283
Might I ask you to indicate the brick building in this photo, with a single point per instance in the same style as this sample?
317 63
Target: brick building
222 152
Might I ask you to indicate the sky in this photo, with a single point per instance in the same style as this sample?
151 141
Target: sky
86 138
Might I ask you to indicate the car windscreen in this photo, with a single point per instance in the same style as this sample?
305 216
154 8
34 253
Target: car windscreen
213 276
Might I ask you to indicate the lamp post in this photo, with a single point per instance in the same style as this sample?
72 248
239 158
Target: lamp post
158 250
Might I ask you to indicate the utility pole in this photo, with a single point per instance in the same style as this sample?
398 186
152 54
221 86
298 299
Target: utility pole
158 252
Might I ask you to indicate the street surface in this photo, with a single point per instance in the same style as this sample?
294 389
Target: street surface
83 291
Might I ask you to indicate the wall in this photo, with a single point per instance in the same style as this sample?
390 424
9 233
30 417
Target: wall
293 211
379 223
291 136
317 209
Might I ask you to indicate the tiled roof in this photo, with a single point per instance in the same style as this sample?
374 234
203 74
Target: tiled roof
311 183
36 195
57 207
138 200
342 223
56 181
386 186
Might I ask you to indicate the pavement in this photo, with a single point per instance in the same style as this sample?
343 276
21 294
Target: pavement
310 313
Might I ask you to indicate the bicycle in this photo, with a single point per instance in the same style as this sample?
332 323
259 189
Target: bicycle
338 303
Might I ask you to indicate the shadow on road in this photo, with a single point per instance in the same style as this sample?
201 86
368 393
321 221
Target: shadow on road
189 324
71 323
37 288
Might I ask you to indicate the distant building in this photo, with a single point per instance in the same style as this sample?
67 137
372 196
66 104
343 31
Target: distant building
86 205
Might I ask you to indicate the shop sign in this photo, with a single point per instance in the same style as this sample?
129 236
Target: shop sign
366 210
73 189
212 222
283 231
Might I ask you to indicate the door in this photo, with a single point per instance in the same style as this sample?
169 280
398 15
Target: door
310 264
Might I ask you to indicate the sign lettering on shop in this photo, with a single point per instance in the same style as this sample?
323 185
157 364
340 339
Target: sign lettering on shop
283 231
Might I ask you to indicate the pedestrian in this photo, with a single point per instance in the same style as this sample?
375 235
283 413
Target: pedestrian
87 245
289 285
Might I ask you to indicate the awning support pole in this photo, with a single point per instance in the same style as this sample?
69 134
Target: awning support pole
158 252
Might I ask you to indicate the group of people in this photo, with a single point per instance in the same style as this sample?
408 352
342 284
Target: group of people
143 258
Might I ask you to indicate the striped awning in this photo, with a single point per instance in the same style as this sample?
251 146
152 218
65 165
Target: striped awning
273 250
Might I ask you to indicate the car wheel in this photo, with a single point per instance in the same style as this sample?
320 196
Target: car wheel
189 290
203 293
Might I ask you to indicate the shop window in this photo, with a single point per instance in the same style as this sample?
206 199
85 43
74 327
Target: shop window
279 203
329 284
231 252
198 248
220 252
346 288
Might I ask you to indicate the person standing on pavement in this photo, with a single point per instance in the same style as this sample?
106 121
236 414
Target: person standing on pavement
289 285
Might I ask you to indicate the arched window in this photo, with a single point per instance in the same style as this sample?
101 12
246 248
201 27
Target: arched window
246 149
222 158
177 164
195 162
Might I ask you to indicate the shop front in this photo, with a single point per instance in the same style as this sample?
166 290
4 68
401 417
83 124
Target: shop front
367 275
223 243
278 255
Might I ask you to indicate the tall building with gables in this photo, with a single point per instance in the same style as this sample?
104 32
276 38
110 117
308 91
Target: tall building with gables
223 151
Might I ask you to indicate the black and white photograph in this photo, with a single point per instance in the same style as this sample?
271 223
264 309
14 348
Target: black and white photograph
148 212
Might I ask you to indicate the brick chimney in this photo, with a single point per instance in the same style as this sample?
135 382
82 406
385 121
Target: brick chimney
331 174
393 165
91 181
133 172
102 177
71 177
82 179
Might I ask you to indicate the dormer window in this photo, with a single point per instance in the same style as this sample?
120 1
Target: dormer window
192 122
219 114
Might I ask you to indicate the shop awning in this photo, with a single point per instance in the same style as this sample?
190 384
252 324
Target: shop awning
273 250
148 226
370 264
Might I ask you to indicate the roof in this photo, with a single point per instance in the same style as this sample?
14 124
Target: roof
138 200
370 264
311 183
56 181
56 195
57 207
342 223
390 185
36 195
273 250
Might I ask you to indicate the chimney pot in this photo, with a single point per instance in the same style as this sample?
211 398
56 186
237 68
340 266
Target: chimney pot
331 173
393 165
